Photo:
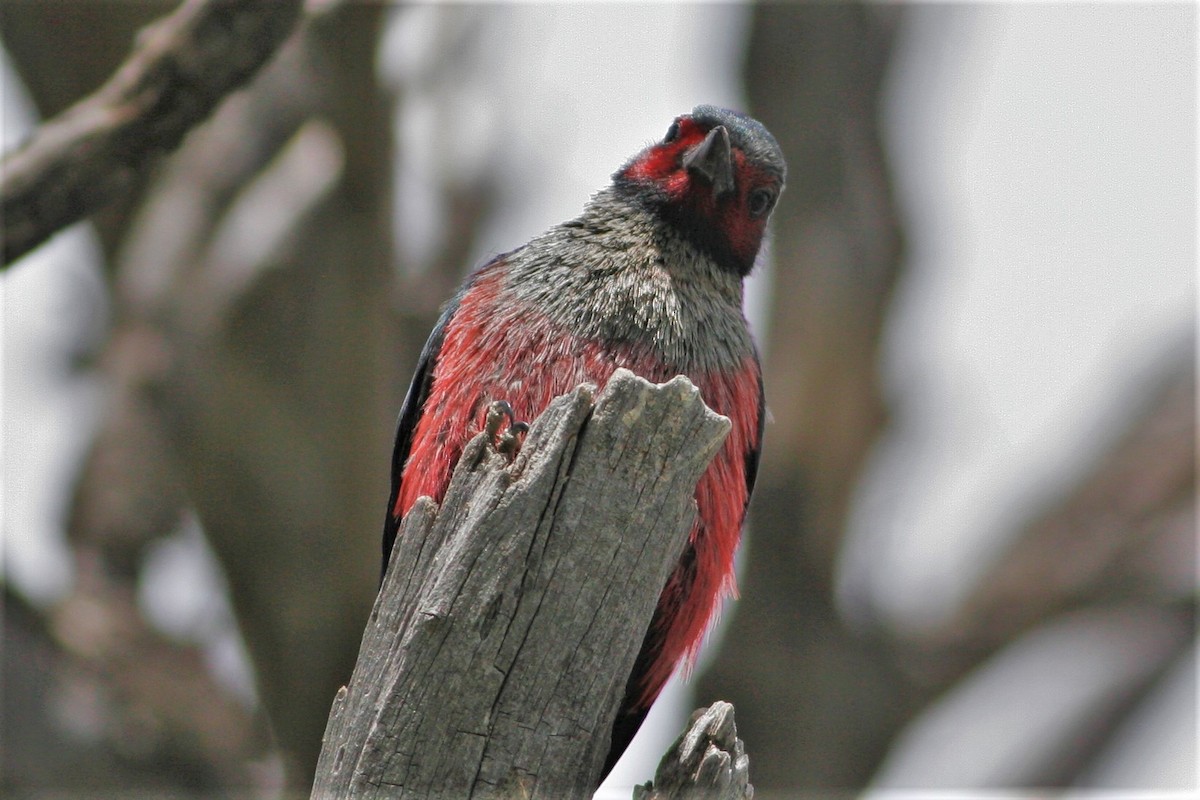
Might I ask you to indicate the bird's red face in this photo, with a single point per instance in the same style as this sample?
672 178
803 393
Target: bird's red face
717 182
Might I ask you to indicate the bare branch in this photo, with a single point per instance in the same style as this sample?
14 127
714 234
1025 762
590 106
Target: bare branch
509 619
181 68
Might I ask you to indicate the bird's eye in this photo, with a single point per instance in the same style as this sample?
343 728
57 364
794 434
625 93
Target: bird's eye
672 133
760 202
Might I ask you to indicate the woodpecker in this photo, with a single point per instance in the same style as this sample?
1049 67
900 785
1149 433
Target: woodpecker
648 277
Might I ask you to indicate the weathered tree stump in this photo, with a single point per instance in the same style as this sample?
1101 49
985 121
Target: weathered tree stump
509 619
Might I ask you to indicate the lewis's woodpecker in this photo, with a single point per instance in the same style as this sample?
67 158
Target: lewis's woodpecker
648 277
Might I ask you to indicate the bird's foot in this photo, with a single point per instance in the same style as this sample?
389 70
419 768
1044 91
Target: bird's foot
507 442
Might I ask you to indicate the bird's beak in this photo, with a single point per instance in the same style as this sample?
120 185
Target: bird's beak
713 159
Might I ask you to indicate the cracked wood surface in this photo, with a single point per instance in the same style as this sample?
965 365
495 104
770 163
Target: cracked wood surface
509 619
707 762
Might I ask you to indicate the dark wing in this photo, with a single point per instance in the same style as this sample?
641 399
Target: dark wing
410 413
754 454
414 403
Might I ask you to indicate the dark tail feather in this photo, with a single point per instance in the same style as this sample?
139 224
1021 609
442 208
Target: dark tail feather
625 727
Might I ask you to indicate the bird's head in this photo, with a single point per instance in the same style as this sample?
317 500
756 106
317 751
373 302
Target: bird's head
716 176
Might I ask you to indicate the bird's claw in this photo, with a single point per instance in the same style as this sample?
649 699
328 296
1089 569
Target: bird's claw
496 413
507 443
511 440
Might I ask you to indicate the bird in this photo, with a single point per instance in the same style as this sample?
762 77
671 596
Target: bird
649 277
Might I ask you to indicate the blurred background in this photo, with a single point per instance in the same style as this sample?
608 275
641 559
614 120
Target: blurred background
971 558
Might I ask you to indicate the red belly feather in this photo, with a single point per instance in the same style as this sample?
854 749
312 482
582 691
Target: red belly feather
485 356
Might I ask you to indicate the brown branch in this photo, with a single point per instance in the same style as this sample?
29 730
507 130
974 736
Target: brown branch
181 68
509 620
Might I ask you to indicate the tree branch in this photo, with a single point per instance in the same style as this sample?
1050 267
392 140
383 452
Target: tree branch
181 68
509 620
